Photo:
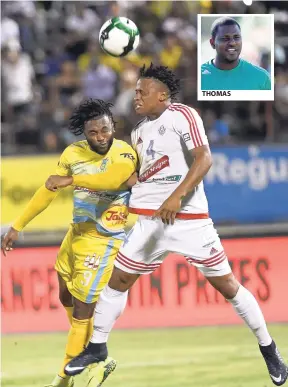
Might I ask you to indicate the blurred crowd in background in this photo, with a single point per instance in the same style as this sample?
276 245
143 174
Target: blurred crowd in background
51 61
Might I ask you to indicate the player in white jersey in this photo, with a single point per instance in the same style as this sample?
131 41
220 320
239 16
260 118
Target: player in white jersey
169 197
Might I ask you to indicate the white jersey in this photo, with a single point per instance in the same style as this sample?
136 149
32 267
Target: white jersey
163 146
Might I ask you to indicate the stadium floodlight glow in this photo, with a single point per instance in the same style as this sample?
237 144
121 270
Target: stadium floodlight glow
247 2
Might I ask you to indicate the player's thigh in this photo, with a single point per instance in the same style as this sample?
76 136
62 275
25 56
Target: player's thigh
144 249
199 242
93 265
64 261
65 296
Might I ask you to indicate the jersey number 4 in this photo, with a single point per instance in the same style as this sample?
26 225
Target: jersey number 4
150 151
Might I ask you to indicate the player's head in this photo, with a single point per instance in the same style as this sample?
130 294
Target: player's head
226 39
157 86
94 118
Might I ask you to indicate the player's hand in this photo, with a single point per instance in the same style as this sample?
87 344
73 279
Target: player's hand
9 238
132 180
55 181
167 212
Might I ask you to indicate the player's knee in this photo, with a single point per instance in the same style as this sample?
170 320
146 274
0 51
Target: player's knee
229 288
65 298
122 281
82 311
227 285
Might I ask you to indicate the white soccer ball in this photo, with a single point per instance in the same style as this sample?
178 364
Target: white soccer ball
119 36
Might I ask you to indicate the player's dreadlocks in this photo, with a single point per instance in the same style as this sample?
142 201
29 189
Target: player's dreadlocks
164 75
90 109
222 21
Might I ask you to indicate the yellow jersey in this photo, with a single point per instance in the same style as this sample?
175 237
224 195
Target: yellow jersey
107 209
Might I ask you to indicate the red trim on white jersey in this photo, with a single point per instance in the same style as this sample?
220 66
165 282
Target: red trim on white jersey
194 130
179 215
215 260
136 265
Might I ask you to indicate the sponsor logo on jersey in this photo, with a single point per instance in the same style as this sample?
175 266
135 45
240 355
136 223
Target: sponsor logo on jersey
169 179
99 195
186 137
127 156
156 167
162 130
206 72
115 217
139 141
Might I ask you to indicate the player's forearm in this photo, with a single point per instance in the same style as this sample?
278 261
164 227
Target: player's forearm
39 202
111 180
196 174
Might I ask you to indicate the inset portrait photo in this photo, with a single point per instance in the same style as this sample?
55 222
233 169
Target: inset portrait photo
236 57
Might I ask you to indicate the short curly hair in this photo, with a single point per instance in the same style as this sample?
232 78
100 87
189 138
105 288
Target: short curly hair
90 109
222 21
164 75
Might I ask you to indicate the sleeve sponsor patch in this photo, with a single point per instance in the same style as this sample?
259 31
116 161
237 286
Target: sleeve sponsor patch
186 137
127 156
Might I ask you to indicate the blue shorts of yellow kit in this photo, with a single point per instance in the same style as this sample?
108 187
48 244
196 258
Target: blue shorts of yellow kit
85 261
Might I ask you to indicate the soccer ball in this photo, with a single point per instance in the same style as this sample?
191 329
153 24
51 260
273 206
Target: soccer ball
119 36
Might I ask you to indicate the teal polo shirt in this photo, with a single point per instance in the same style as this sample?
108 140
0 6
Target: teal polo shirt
245 76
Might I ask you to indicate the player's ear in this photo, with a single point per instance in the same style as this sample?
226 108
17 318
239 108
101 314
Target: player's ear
163 96
212 42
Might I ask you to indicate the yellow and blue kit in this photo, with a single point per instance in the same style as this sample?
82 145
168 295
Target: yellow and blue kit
86 256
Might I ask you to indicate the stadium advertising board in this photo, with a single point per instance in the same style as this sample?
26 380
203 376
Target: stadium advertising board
240 187
248 184
21 177
174 295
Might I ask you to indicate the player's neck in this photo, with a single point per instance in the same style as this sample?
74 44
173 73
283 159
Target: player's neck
160 111
225 65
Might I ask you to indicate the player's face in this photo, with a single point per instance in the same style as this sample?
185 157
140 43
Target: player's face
228 43
99 134
149 96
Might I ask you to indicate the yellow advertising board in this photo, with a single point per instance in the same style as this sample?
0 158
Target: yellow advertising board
20 178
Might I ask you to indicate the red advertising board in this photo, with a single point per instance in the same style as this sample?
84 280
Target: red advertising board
174 295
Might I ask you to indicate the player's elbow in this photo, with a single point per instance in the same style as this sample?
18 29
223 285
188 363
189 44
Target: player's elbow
209 160
116 185
206 159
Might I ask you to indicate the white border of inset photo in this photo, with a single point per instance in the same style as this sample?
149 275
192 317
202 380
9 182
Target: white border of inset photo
233 95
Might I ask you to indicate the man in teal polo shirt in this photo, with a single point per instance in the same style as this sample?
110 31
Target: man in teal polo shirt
227 71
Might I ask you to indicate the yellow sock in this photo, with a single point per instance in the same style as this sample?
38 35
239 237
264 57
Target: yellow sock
69 311
77 337
90 330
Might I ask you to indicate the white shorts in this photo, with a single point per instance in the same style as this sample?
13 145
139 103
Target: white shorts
150 241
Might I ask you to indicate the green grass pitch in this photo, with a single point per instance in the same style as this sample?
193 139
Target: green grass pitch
188 357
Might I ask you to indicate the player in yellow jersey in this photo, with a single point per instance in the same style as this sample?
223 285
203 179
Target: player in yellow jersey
85 259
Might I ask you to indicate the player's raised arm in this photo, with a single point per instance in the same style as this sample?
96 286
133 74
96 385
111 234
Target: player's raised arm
113 179
115 176
38 203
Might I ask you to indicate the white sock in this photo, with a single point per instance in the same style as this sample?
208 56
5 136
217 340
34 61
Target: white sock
108 308
248 309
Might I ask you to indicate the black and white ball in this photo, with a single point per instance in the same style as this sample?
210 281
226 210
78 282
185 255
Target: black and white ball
119 36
